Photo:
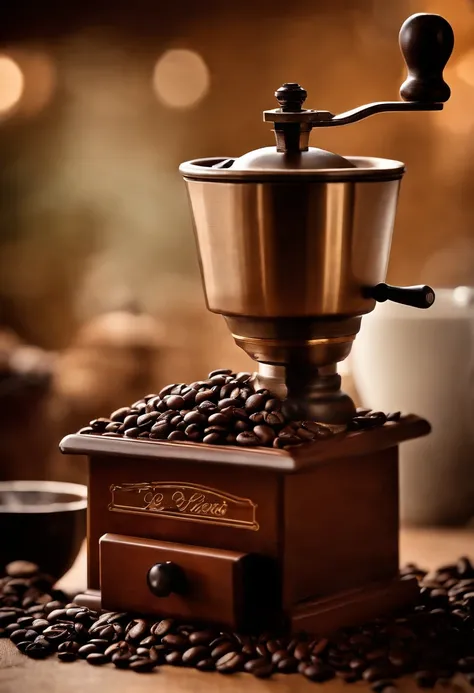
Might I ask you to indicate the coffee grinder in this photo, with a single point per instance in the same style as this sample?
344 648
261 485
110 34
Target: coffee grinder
294 245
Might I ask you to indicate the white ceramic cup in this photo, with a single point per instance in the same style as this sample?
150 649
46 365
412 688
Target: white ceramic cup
422 362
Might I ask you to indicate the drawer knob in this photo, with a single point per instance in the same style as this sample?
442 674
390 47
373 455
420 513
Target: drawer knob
165 578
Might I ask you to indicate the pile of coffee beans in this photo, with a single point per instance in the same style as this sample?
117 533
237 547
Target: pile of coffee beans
433 641
224 409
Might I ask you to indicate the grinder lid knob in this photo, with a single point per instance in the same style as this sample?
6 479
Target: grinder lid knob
166 578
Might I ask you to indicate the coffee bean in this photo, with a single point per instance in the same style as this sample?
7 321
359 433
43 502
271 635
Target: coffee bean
207 664
265 434
25 621
287 665
37 651
255 403
213 439
228 402
21 569
230 663
162 628
264 671
121 661
220 371
254 664
177 435
174 402
195 654
119 414
20 634
142 665
221 649
86 650
132 433
56 615
318 673
247 439
201 637
177 642
23 645
174 658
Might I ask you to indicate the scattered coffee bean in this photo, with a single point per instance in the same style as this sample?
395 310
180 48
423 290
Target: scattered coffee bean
230 663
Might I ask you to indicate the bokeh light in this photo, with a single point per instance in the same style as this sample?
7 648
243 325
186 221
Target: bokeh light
11 83
181 78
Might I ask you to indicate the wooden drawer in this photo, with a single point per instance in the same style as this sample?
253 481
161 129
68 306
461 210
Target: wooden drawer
227 587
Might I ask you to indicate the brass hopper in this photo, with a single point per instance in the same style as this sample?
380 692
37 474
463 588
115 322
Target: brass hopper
294 241
294 245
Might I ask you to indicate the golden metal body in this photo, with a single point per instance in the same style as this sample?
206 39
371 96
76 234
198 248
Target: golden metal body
285 256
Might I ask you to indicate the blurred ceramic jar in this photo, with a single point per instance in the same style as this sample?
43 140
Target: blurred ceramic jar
422 362
26 432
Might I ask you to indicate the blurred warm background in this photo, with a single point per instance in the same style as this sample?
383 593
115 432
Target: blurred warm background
100 296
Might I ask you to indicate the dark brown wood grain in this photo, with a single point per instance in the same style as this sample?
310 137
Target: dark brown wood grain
321 518
218 581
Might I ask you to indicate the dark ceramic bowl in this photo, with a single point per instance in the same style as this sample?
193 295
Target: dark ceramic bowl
43 522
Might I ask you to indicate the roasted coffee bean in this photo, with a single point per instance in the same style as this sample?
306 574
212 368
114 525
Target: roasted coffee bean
119 414
23 645
23 634
177 435
229 402
265 434
221 649
255 403
207 408
230 663
162 628
147 419
177 642
219 419
287 665
86 650
175 402
21 569
207 664
213 438
174 658
142 665
195 417
201 637
37 651
195 654
136 630
121 661
86 430
247 439
193 432
56 615
132 433
25 621
318 673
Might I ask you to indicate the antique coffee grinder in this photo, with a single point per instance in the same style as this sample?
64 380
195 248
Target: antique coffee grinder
294 244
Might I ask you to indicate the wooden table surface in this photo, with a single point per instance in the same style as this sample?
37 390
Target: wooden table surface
18 674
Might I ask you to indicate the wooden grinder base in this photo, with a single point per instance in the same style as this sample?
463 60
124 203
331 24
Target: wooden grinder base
305 539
